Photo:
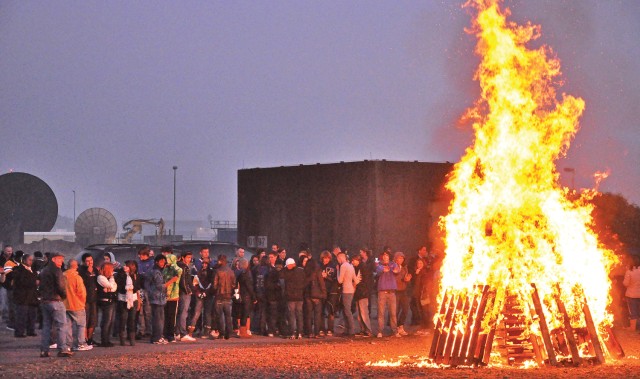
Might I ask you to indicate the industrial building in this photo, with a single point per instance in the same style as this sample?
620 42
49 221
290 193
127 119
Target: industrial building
369 203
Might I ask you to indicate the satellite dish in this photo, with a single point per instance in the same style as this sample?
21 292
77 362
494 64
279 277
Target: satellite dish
94 226
27 204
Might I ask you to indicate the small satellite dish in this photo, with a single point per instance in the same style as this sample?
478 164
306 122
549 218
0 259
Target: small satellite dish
27 204
94 226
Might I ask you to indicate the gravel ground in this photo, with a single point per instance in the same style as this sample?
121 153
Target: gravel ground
277 358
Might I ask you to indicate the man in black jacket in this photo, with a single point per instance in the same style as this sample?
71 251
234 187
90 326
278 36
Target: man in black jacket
89 275
273 293
53 291
294 283
186 290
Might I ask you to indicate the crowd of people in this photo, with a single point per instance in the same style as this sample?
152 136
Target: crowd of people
167 298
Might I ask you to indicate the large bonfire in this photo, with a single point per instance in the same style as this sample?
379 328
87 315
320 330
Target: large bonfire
510 223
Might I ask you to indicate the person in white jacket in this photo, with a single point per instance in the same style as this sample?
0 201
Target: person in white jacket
347 277
632 282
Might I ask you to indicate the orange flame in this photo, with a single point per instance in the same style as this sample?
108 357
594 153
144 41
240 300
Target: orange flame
511 223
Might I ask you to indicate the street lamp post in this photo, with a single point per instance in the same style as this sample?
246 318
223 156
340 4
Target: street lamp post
74 206
175 169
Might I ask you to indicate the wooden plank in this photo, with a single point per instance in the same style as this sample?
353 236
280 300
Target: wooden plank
593 332
453 330
536 349
612 344
455 353
437 329
568 330
464 347
477 325
488 346
446 330
544 329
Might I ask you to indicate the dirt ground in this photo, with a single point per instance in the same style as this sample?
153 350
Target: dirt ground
278 358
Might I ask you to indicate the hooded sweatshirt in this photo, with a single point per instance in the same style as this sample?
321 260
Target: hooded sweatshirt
76 292
170 271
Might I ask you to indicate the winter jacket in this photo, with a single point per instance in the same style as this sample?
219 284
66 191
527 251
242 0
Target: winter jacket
632 282
245 282
143 268
107 289
331 281
186 279
260 273
121 281
400 282
294 282
315 285
364 288
90 281
273 290
76 292
386 280
25 289
171 270
52 284
204 280
224 282
421 285
154 287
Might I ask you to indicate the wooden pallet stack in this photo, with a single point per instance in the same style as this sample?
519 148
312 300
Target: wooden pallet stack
466 333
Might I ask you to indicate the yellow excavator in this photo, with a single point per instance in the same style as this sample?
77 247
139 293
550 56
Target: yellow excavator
133 227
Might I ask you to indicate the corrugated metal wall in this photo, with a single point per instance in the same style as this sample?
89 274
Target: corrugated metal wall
370 203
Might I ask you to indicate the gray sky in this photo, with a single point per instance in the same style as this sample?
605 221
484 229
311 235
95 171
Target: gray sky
104 97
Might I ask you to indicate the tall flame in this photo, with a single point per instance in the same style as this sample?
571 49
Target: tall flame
510 223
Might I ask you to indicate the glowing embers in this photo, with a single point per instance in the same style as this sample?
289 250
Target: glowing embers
486 326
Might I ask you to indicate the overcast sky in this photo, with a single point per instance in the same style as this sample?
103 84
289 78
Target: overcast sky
104 97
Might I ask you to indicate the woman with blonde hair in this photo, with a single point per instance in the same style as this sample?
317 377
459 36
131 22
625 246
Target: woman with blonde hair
107 296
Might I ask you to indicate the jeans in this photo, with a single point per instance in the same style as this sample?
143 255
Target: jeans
203 307
362 309
295 317
247 308
387 302
76 328
25 319
634 309
54 315
223 308
144 316
127 317
402 307
183 313
106 322
315 316
260 312
272 324
347 299
170 313
157 322
330 308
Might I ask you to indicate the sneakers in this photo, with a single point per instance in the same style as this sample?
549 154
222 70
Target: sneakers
379 335
84 347
187 338
270 335
321 334
44 354
10 328
65 354
54 346
214 334
401 331
329 333
161 341
397 335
